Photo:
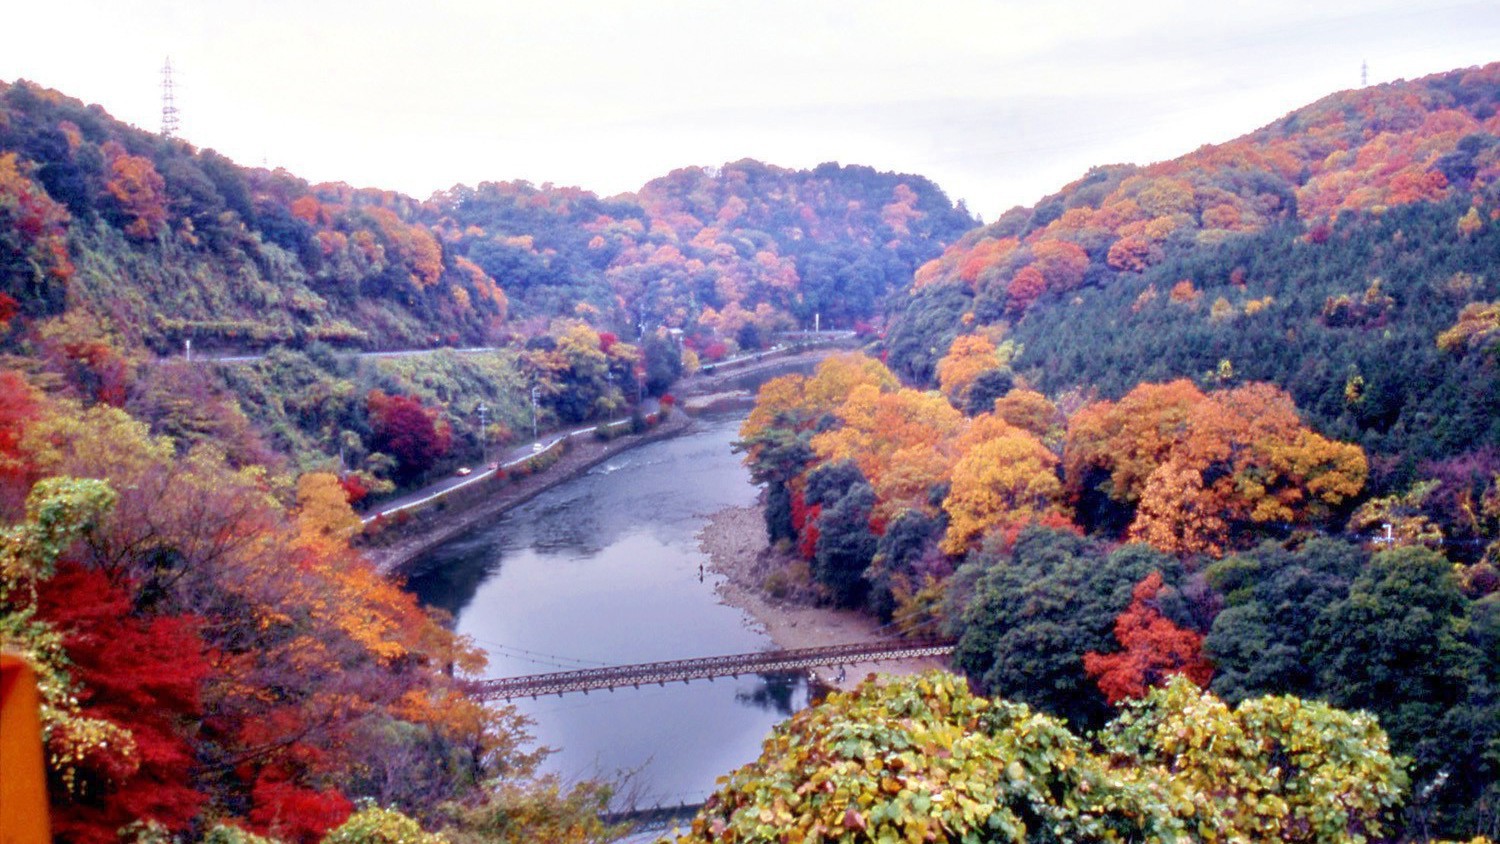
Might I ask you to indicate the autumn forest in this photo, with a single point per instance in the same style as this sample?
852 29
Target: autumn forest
1197 461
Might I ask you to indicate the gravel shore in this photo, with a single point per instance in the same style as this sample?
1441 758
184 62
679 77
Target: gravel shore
735 541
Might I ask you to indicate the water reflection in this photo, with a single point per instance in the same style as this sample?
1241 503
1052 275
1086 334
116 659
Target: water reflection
778 693
449 577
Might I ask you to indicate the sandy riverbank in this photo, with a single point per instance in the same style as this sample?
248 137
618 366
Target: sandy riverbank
735 541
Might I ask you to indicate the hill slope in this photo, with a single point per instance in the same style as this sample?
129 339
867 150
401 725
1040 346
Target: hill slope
119 248
169 243
1325 253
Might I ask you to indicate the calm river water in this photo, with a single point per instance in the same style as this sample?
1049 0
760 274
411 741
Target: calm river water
605 569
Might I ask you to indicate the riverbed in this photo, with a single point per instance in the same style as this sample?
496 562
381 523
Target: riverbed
606 569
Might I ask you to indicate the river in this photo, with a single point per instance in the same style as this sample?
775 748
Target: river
605 569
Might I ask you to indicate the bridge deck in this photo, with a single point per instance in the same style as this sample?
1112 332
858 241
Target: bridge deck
618 676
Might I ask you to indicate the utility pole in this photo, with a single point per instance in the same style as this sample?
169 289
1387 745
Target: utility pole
640 375
533 411
168 103
484 439
1364 73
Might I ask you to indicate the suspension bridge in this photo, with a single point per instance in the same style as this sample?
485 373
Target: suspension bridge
703 668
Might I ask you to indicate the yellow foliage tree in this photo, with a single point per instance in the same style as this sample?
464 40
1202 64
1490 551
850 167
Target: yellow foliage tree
1478 328
1004 477
325 521
837 376
1403 511
1177 515
775 399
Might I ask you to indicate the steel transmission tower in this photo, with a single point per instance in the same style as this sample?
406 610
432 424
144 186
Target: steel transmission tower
168 104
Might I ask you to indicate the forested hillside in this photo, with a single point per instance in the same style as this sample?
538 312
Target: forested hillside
119 248
165 243
215 659
727 255
1231 417
1344 253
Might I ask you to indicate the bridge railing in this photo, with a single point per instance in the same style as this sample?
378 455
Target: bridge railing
615 676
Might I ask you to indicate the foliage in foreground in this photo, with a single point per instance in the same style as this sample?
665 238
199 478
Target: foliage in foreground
210 649
922 759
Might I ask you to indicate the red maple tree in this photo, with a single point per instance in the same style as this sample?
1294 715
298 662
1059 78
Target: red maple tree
293 812
18 407
142 672
1154 649
408 431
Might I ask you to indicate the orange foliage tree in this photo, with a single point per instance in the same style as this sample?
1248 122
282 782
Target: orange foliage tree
900 440
413 245
1194 467
139 190
1061 263
970 356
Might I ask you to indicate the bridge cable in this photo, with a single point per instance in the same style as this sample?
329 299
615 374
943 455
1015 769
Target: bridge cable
499 651
541 657
558 657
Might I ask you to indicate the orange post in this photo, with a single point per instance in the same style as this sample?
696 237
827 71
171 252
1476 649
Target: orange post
23 780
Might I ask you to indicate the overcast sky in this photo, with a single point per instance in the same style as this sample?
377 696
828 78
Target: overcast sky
999 102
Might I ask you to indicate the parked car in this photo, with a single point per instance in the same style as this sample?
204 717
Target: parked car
463 470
